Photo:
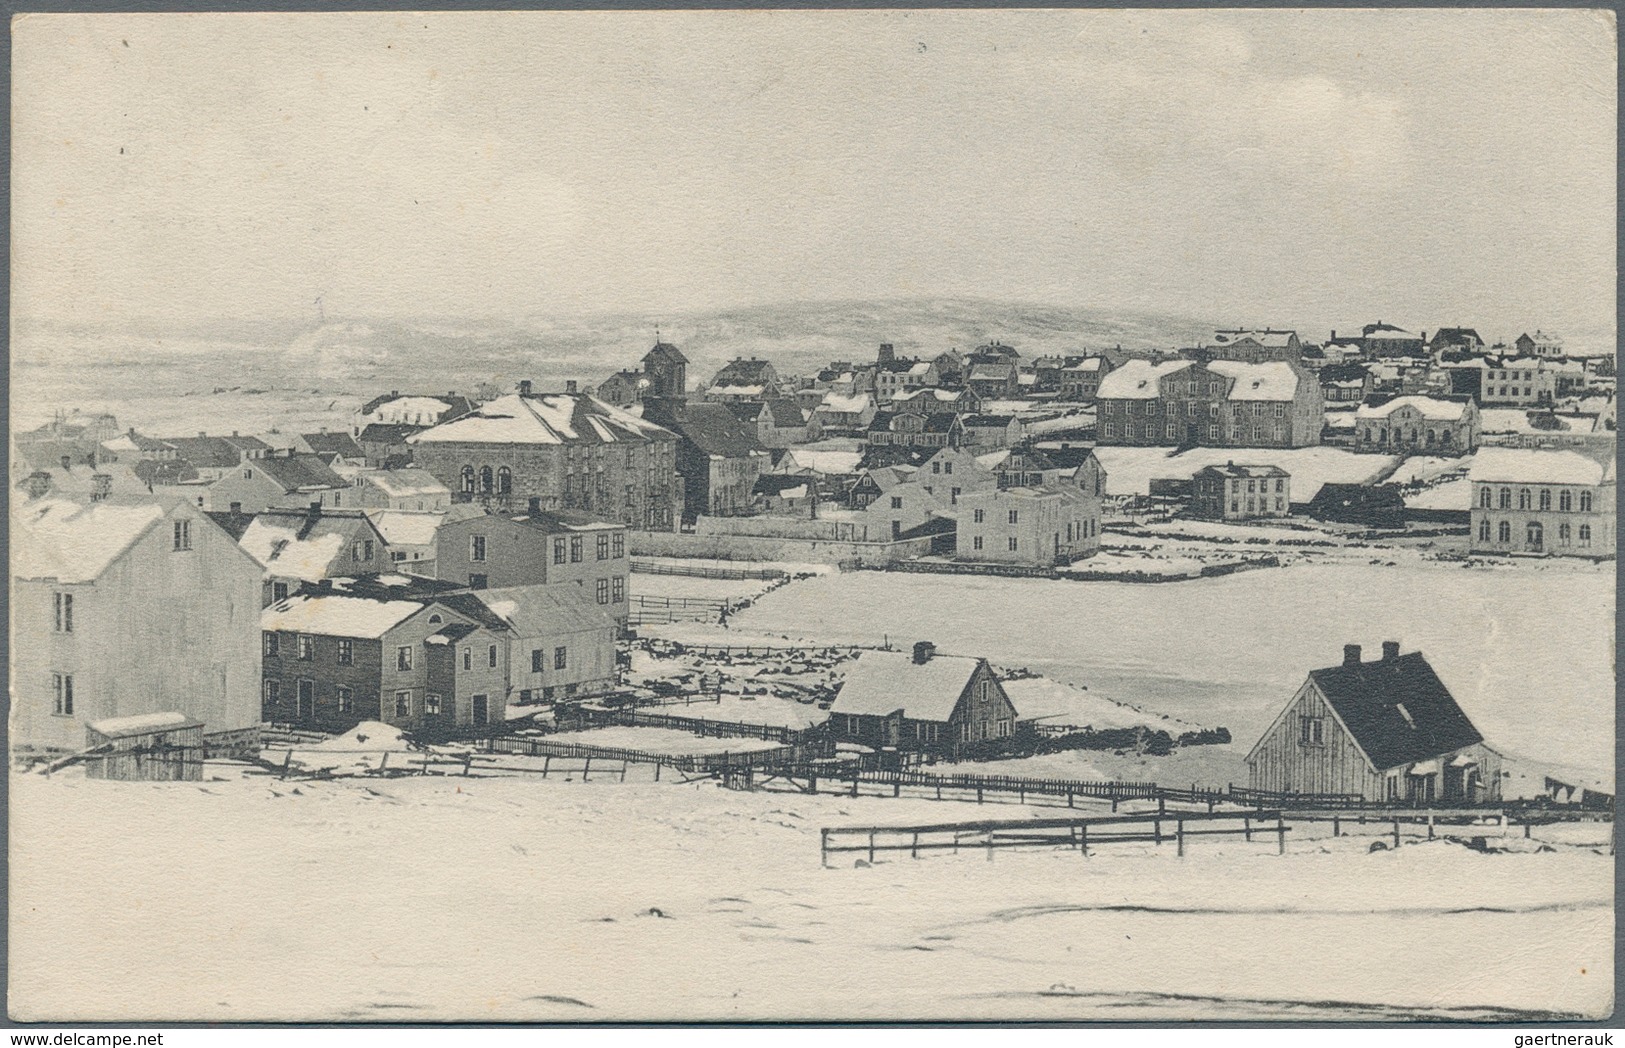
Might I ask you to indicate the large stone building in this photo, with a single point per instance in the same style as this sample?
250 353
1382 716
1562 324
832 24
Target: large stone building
1220 403
1542 502
567 450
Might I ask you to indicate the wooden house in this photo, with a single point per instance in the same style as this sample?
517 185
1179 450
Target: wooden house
148 747
502 550
410 489
299 546
922 701
287 481
127 609
1388 731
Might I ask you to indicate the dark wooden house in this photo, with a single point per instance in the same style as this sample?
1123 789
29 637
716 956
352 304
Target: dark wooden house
1388 730
149 747
922 701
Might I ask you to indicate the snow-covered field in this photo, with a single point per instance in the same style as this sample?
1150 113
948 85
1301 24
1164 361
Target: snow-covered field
1129 471
426 899
660 740
643 585
1527 652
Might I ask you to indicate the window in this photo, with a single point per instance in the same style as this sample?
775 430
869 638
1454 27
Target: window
346 655
272 645
504 481
1311 731
936 467
64 613
403 658
486 481
307 646
403 704
1504 532
558 551
1523 498
1014 516
1506 498
468 658
575 549
619 588
1585 502
431 702
979 515
1012 543
603 591
1565 500
1545 498
1485 498
248 474
272 693
62 694
559 658
476 547
603 546
619 539
536 665
976 543
468 480
279 591
491 656
183 535
1585 534
948 468
478 582
1250 487
896 502
346 700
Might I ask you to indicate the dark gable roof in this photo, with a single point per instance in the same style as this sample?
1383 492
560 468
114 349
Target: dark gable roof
469 605
712 428
747 410
667 350
233 524
457 631
457 406
1067 458
1368 698
787 414
207 452
388 432
1456 336
293 472
999 421
158 474
742 372
940 422
332 444
774 483
1349 372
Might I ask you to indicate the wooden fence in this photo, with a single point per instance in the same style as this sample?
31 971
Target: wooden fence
703 727
648 610
1082 834
692 764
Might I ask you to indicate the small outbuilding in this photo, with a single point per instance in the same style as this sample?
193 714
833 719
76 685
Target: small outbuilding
921 702
150 747
1387 730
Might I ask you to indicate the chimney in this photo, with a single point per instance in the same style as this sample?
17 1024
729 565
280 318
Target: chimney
234 432
1390 650
524 387
1351 654
101 486
394 392
923 650
67 462
202 434
535 505
570 385
236 509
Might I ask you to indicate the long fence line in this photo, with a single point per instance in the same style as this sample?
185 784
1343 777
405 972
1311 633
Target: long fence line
703 727
704 571
692 764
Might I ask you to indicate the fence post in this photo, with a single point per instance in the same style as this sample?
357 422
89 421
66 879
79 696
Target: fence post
547 762
287 759
1083 840
382 764
1156 829
1396 833
1430 826
1337 829
914 849
1179 830
979 801
1247 827
989 845
871 848
585 768
1280 833
823 847
468 762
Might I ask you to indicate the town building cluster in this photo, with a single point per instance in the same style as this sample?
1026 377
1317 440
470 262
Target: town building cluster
438 560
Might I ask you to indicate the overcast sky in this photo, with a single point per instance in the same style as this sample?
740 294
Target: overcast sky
1421 167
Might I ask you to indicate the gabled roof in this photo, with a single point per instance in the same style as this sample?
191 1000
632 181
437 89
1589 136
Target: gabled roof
421 409
882 682
1529 466
388 432
540 611
992 372
1231 469
404 483
299 472
1272 381
233 524
70 542
855 404
711 428
1138 379
166 472
338 615
214 452
339 443
1345 372
303 544
543 418
1456 336
406 527
1433 409
780 484
742 372
666 351
1397 710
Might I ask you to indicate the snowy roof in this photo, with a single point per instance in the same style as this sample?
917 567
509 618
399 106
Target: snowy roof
827 462
1087 364
737 391
992 372
338 616
1138 379
70 542
546 418
1275 380
277 544
1270 339
1434 409
882 682
406 528
404 483
142 724
1231 469
857 403
413 409
1524 465
946 396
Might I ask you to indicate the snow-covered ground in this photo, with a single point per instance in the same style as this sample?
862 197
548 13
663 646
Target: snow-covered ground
524 899
1052 702
660 740
1129 471
643 585
1527 652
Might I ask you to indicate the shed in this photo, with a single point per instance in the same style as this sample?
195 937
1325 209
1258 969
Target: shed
150 747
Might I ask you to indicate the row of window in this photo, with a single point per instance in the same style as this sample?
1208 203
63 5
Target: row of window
1193 408
1528 499
980 517
1262 485
1260 506
1427 438
561 659
1171 432
1534 533
976 543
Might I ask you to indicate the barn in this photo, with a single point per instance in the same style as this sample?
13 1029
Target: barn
1388 730
149 747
